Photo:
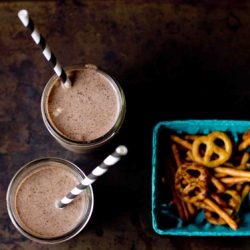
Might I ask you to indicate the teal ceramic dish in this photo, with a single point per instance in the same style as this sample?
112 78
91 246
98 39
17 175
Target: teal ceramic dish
164 219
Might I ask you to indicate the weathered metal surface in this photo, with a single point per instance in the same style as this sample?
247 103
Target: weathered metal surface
171 57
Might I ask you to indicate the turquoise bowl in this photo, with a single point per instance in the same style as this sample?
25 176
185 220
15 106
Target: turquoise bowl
164 219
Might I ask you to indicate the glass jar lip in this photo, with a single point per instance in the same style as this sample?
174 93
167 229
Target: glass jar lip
116 127
49 240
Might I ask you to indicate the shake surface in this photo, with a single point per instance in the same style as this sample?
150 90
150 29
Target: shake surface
36 199
86 111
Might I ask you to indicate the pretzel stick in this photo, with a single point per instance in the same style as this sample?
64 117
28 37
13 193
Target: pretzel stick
188 159
176 155
219 175
245 166
243 163
202 205
180 141
245 192
191 137
244 144
186 212
178 163
170 173
191 208
229 185
190 156
246 135
240 167
234 180
220 187
245 158
218 200
228 164
238 187
184 204
232 172
221 213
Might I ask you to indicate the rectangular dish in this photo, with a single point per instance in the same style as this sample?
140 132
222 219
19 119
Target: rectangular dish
164 220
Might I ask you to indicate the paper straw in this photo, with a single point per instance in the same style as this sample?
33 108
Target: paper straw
39 40
92 177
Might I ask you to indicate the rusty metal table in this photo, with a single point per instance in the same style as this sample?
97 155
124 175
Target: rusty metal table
170 57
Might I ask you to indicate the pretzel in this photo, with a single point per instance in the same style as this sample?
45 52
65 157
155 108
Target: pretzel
244 144
238 187
232 208
211 149
229 185
176 155
245 158
202 205
243 166
170 172
224 215
189 155
219 175
190 193
232 172
228 164
186 211
214 218
220 187
234 180
191 208
234 202
180 141
205 169
191 137
218 199
246 135
245 192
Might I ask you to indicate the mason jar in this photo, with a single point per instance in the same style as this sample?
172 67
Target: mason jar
86 116
33 195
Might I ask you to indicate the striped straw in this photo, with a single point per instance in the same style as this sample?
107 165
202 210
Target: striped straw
98 171
29 24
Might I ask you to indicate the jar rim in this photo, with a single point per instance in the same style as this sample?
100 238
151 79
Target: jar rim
91 143
23 173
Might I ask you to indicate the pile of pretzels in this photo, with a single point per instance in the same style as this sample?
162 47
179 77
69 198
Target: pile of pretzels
209 172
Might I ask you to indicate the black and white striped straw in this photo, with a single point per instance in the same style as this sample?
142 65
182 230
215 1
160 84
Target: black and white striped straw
94 175
39 40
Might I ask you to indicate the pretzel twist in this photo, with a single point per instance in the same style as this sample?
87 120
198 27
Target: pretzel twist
224 215
211 149
217 217
197 187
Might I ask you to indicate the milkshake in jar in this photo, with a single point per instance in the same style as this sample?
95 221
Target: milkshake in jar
89 113
33 195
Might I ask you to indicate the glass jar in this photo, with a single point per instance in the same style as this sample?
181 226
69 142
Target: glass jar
84 146
23 210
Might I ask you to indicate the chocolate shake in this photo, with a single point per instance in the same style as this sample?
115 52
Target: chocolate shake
86 111
36 198
88 114
34 193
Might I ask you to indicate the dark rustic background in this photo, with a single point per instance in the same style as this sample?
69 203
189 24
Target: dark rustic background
174 60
